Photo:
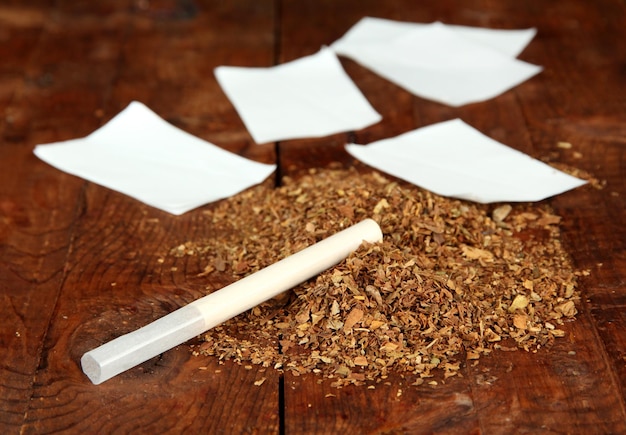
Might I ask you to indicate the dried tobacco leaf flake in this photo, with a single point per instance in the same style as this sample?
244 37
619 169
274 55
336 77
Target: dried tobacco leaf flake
389 347
353 318
499 214
476 253
382 204
568 309
548 219
519 303
520 320
360 361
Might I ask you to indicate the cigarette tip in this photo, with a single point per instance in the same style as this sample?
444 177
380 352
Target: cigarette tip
91 368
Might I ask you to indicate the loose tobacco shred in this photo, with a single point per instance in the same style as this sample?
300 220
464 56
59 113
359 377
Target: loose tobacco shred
451 280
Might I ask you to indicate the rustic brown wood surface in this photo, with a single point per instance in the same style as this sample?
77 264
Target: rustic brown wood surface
81 264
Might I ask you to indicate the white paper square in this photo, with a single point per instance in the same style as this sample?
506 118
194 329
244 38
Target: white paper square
139 154
510 42
454 65
453 159
308 97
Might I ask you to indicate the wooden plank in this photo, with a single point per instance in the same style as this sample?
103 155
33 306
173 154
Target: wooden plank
35 230
20 31
507 391
568 387
119 274
394 406
586 109
38 209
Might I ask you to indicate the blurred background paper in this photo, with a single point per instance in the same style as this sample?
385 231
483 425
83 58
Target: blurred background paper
453 65
139 154
309 97
453 159
510 42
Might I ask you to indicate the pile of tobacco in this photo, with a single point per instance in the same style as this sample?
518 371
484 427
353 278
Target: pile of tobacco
451 281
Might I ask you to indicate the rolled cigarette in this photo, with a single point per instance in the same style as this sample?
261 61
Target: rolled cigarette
127 351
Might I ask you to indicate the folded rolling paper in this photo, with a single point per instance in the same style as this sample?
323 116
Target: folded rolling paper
308 97
139 154
453 65
454 159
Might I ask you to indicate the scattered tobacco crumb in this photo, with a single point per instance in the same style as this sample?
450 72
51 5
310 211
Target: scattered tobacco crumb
450 282
580 173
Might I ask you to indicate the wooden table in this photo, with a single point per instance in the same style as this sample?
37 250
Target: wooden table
77 261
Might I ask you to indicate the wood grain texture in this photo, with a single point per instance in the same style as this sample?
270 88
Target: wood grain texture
550 391
81 264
